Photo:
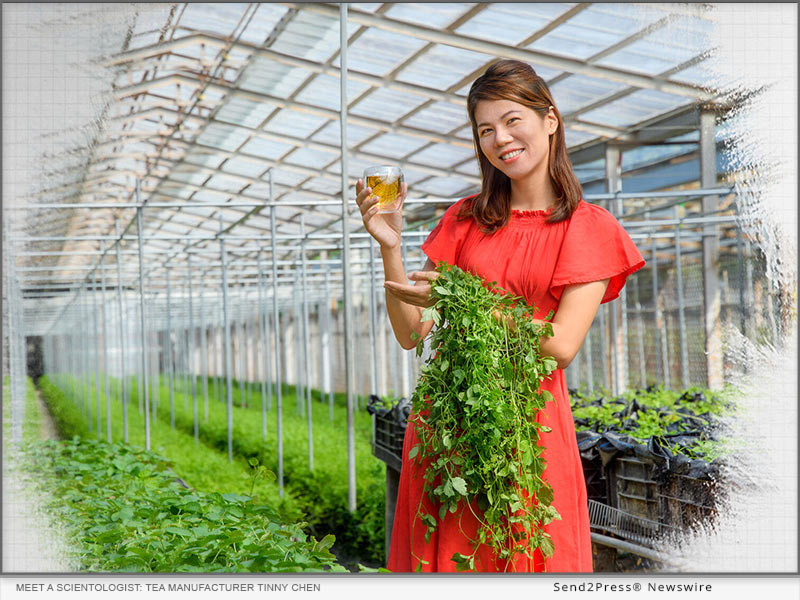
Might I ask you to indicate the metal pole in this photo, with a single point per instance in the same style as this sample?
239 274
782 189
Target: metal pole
106 384
589 366
191 352
297 325
348 300
156 378
204 351
711 286
96 331
228 366
681 313
240 334
170 365
326 344
265 361
603 345
373 326
306 362
640 334
276 328
142 323
122 369
656 312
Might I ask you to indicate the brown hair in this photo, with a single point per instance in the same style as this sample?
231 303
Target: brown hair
517 81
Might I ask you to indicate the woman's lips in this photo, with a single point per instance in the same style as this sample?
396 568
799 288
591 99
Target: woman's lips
511 156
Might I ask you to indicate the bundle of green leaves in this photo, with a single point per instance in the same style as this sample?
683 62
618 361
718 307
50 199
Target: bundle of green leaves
476 404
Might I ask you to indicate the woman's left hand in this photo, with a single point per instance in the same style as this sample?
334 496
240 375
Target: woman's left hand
418 294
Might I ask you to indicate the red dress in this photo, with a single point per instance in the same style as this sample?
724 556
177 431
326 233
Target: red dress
534 259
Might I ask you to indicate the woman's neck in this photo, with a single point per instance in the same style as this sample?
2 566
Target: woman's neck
533 195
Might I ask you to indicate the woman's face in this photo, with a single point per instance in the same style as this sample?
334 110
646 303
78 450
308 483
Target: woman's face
514 138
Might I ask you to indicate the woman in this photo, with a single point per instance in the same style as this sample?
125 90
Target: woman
530 231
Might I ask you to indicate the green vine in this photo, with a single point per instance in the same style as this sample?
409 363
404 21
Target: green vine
476 403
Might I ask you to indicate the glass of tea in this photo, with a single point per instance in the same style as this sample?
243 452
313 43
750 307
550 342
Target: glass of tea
387 184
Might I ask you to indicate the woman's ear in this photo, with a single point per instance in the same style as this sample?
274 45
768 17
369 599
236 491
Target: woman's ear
551 121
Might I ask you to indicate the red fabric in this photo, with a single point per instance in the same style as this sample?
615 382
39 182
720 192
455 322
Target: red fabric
533 259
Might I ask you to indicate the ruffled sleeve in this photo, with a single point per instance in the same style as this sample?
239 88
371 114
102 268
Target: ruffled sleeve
444 242
595 247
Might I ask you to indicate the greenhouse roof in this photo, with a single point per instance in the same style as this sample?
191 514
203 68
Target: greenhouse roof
211 104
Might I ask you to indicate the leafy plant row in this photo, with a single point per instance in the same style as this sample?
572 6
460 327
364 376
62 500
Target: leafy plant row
199 467
125 507
321 493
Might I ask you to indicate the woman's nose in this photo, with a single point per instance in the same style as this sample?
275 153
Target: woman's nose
502 137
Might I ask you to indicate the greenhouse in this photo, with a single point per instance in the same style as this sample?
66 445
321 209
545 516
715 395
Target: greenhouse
197 348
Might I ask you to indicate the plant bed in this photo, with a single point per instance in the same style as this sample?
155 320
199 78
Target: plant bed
126 512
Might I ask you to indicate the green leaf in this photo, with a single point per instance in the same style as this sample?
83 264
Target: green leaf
459 485
413 452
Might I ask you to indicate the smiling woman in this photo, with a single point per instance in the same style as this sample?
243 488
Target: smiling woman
530 231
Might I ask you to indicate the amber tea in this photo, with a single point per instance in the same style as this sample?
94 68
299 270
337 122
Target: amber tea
386 183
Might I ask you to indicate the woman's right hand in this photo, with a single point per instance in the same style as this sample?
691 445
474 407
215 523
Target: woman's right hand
386 227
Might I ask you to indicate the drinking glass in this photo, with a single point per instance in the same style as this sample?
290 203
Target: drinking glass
386 183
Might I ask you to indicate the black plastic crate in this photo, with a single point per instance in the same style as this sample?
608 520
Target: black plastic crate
675 501
595 478
388 445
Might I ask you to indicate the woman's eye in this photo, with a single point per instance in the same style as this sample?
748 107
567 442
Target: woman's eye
512 119
483 132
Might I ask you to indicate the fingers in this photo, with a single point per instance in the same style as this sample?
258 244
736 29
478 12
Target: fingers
416 295
364 201
423 275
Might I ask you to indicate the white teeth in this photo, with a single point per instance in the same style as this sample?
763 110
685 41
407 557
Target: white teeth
511 154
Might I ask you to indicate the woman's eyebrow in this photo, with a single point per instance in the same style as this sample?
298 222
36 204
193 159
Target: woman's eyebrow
501 118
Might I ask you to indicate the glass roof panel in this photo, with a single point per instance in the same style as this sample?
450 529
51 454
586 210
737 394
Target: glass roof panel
258 191
188 174
201 157
378 51
442 66
325 91
413 177
394 145
243 111
635 107
309 35
310 157
267 16
286 177
596 28
244 166
323 185
331 134
443 155
267 76
295 123
225 183
214 17
510 24
443 186
660 51
576 91
268 149
701 74
430 14
469 168
574 137
439 117
386 105
219 135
